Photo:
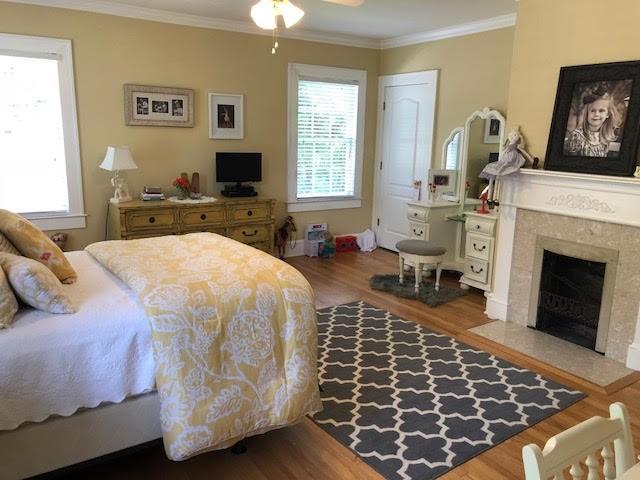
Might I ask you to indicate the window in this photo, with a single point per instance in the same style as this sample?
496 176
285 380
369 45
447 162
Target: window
39 152
326 137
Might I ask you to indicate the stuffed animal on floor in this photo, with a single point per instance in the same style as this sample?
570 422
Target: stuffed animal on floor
283 234
60 239
328 246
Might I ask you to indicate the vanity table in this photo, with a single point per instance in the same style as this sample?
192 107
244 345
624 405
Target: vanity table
469 237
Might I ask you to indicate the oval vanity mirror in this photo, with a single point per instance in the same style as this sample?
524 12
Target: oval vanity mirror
483 136
451 160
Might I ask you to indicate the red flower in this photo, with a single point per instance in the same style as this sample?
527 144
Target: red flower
45 256
182 183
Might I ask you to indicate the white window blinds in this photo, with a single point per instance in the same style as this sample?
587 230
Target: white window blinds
326 139
33 172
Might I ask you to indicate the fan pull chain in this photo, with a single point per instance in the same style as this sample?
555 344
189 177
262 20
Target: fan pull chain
275 40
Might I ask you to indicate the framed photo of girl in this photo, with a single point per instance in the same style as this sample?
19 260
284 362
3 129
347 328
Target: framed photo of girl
596 120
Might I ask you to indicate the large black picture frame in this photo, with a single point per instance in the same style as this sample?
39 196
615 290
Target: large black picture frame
571 80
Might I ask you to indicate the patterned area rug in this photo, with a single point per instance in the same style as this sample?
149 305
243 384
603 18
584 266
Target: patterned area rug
413 403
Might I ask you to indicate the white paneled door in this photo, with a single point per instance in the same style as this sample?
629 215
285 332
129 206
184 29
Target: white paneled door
405 141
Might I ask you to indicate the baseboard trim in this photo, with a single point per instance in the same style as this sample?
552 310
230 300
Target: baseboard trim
496 309
633 356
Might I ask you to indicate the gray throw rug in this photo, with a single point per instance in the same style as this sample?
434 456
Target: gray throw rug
412 403
426 293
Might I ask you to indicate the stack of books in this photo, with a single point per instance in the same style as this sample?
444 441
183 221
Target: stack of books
152 193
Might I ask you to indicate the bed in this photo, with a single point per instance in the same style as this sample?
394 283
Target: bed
83 385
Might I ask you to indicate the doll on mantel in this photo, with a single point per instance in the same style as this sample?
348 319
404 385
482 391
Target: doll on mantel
512 157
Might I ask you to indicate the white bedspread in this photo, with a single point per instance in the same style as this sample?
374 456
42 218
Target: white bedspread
56 364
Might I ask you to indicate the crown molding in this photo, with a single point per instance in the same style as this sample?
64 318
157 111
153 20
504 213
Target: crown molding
165 16
495 23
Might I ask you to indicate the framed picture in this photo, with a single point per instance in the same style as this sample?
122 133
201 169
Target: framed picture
442 183
158 106
226 116
596 120
492 130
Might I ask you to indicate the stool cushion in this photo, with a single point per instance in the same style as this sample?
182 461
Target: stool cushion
420 247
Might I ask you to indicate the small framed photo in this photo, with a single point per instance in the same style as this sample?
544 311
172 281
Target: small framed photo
492 130
595 120
158 106
442 183
226 116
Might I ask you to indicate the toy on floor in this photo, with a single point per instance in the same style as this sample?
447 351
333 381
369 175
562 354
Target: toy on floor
283 234
347 243
327 248
60 239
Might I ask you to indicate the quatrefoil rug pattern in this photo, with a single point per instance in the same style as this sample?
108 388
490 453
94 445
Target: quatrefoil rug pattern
413 403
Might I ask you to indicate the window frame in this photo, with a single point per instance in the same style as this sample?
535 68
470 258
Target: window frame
61 50
298 71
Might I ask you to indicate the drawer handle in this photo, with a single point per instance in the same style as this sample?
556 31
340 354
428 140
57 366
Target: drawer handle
203 217
476 271
477 227
255 232
249 213
415 214
475 247
417 233
152 219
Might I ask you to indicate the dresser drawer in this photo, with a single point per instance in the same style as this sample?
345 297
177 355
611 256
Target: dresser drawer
476 270
250 233
203 216
479 225
419 214
418 230
243 213
139 220
478 246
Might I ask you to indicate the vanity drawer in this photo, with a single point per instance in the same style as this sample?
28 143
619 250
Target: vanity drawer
150 219
476 270
250 233
243 213
418 230
480 225
478 246
203 216
419 214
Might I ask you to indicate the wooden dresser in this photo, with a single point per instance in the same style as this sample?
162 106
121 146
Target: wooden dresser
247 220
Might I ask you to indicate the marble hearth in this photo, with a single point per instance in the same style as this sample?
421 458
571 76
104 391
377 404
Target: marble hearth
588 214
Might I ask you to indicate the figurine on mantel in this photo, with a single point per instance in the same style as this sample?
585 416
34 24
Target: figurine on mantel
512 157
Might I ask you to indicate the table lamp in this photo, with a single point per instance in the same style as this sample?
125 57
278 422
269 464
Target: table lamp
116 159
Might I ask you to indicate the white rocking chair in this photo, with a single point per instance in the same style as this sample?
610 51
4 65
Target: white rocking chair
581 444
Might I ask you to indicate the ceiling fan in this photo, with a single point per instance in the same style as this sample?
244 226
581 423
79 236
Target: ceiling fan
265 14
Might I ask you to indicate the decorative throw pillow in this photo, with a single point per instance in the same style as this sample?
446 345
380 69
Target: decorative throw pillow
33 243
8 302
6 246
35 284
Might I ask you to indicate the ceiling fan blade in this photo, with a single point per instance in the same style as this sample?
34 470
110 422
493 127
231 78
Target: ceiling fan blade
347 3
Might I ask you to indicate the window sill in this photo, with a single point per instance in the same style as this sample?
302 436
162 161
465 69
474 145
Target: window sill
57 221
328 204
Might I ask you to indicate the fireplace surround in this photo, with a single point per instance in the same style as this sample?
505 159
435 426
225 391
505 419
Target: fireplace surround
597 217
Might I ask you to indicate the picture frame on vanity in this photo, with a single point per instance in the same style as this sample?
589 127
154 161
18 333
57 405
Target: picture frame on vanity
226 116
596 120
146 105
442 184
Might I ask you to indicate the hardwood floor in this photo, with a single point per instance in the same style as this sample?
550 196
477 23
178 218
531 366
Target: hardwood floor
305 451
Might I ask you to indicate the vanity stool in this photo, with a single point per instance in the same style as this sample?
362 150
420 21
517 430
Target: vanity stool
419 253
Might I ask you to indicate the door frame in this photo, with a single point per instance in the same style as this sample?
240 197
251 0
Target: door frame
396 80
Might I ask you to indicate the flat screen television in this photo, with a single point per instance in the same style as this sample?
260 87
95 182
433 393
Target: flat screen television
238 167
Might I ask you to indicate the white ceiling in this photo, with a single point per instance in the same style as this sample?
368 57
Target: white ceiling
370 24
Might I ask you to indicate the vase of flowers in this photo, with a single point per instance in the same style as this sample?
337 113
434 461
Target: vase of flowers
183 186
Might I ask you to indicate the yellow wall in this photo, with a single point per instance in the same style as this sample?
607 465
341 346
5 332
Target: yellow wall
474 73
551 34
110 51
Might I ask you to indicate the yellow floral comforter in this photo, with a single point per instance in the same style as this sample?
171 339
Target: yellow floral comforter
234 336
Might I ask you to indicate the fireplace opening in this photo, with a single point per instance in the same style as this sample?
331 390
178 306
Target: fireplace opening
570 298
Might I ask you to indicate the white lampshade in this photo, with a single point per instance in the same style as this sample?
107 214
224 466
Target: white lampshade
290 13
264 14
118 158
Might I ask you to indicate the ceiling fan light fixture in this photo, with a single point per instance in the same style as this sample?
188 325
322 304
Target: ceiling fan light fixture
264 15
290 13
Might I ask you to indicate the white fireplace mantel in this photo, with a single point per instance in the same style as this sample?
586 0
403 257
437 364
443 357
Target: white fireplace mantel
592 197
